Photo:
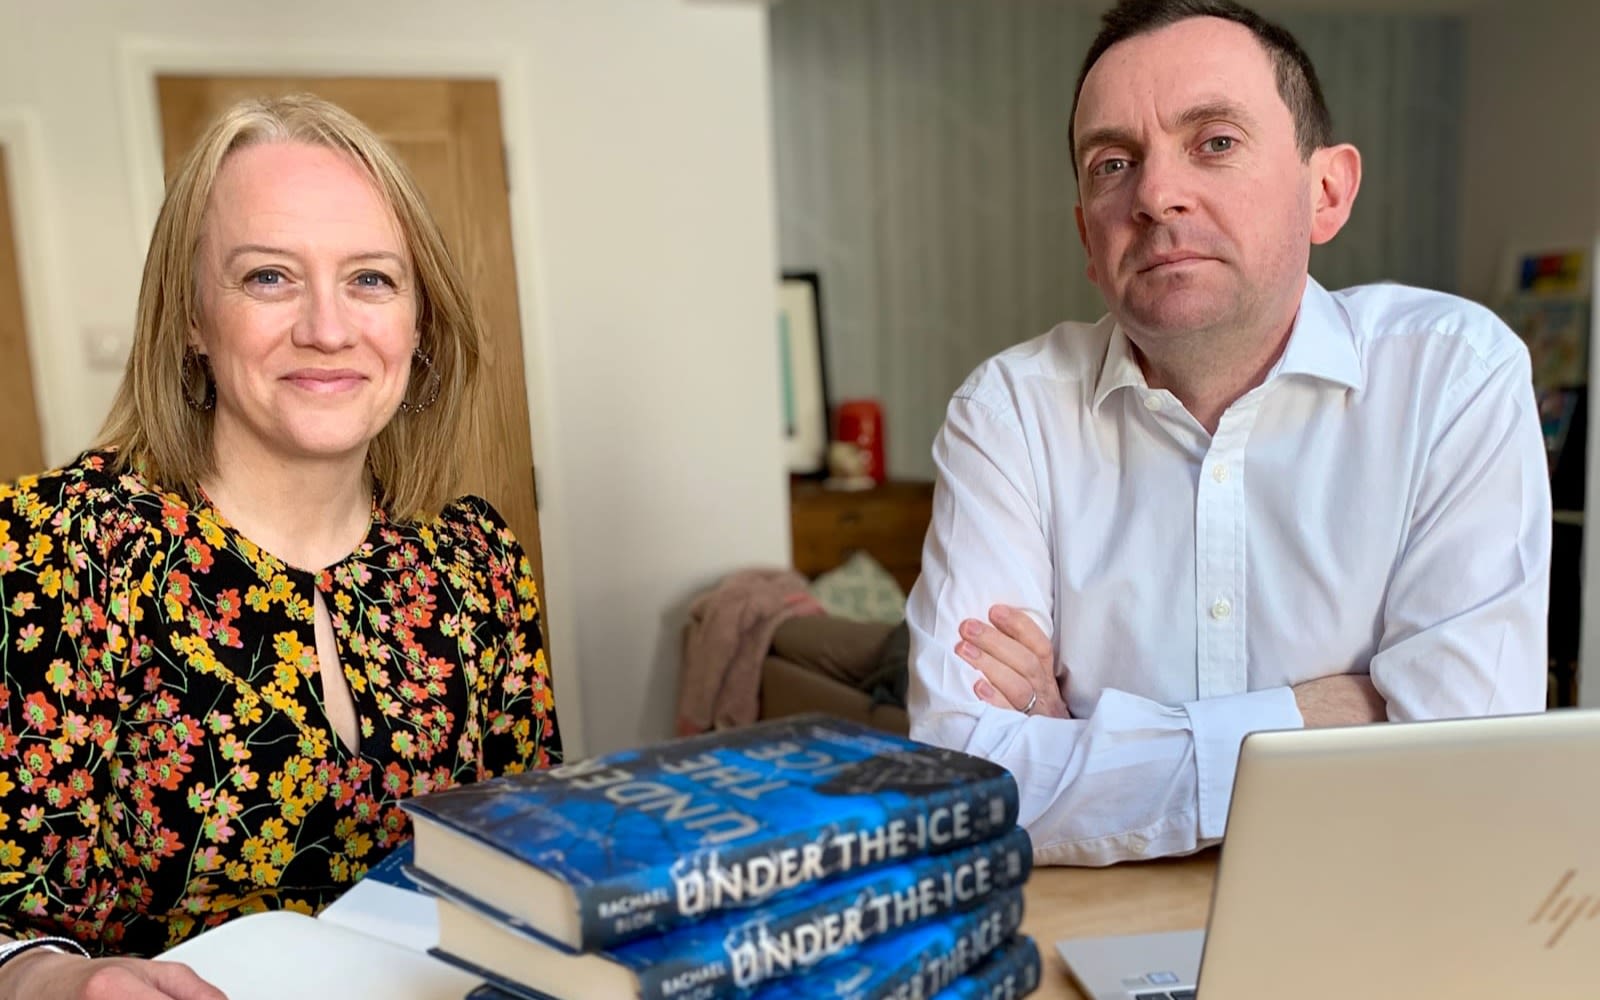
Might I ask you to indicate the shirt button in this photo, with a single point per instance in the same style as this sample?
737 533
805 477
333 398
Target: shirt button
1219 472
1221 610
1152 402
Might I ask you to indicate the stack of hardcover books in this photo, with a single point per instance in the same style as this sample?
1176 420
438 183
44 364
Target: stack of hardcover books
804 857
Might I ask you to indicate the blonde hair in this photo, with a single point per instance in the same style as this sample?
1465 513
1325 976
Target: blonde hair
416 459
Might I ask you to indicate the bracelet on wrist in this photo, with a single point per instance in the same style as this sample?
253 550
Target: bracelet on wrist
65 945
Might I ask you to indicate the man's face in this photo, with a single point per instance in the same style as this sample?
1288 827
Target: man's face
1194 204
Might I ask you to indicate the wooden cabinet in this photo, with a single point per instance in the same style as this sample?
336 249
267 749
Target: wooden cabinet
887 522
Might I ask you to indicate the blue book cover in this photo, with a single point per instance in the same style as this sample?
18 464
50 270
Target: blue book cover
633 843
731 953
921 961
1011 972
394 869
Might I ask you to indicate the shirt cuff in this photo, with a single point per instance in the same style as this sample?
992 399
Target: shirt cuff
1219 726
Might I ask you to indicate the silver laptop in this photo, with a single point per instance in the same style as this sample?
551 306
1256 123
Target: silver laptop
1455 859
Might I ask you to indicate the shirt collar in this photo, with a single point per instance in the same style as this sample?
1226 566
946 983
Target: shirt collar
1321 345
1119 370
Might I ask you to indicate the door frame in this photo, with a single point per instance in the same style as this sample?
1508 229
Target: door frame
140 60
42 319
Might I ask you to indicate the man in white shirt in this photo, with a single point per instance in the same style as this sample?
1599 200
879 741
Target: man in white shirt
1238 501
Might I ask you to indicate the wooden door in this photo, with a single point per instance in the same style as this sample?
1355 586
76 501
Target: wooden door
20 449
447 132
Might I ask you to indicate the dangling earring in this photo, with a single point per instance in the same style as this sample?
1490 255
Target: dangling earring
197 368
431 381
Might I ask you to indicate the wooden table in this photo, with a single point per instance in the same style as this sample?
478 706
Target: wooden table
245 956
1137 898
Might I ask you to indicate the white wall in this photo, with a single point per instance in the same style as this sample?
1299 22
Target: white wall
643 217
1531 177
1531 134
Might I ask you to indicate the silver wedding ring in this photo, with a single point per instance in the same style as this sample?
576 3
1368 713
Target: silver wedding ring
1033 699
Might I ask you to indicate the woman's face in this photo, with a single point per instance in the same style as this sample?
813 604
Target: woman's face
308 305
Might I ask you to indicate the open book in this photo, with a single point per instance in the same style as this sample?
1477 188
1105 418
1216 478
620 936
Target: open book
270 956
387 904
371 944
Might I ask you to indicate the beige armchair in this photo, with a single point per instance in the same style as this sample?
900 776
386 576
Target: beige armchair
851 669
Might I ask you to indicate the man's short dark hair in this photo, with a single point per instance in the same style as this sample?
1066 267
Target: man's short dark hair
1297 79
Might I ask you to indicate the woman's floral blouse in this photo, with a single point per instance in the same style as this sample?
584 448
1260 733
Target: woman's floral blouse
165 759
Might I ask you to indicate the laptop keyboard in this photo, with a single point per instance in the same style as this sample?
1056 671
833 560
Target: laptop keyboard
1184 994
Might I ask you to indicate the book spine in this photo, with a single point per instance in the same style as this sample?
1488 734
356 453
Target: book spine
495 986
939 965
917 963
1009 974
911 965
709 880
735 952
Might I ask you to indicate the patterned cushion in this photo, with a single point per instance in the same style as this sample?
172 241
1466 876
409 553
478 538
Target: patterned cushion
862 590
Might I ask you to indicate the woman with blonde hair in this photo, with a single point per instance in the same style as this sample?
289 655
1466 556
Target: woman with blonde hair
253 619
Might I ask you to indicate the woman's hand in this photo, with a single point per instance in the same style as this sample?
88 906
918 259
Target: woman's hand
49 975
1017 661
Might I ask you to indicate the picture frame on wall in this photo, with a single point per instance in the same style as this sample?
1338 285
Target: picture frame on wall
1545 295
802 373
1556 270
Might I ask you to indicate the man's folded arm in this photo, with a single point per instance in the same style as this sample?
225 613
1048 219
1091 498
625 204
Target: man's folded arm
1466 615
1132 779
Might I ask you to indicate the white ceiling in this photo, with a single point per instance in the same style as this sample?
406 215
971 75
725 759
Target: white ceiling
1332 6
1328 6
1386 6
1368 6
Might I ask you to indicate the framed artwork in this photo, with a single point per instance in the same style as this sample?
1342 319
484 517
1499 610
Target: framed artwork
1551 271
1556 330
1545 297
802 373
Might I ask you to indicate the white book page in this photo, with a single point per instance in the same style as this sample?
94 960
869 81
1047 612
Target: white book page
273 956
387 912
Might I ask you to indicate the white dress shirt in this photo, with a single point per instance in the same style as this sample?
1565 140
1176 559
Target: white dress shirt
1379 503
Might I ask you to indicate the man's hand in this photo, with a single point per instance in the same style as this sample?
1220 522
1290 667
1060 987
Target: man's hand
1016 660
1340 700
47 975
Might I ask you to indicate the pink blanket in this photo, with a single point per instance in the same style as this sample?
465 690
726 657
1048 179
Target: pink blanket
730 629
